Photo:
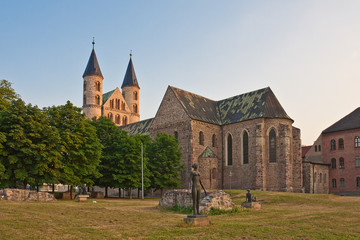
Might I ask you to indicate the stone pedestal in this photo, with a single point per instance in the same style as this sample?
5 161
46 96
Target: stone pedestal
254 205
82 198
197 220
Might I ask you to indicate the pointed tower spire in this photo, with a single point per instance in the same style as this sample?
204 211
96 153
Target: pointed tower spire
93 67
130 76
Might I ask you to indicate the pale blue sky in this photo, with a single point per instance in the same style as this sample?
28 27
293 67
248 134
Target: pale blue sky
308 52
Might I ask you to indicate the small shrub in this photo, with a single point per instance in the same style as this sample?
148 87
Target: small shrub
181 209
218 211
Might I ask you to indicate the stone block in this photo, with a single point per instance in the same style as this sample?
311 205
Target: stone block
197 220
254 205
82 198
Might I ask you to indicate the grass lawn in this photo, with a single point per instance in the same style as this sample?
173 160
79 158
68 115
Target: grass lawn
283 216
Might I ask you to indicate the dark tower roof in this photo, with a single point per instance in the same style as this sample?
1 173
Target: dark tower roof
130 76
93 67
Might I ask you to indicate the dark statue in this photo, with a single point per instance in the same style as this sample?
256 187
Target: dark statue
82 190
250 197
196 190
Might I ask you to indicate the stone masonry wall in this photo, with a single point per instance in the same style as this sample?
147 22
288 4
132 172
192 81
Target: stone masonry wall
25 195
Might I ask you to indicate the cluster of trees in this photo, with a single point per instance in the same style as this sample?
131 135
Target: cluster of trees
58 145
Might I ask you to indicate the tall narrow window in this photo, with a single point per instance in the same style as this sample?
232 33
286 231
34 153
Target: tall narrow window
213 173
333 163
176 135
135 96
98 86
229 150
358 181
214 141
357 141
315 148
357 161
112 103
84 99
122 106
272 146
341 143
333 182
246 148
333 144
342 182
314 177
319 148
341 163
110 116
97 99
117 119
201 138
320 177
124 120
324 177
117 104
135 108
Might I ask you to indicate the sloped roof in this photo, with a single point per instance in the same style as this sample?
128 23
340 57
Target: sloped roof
107 95
142 127
304 150
207 153
350 121
257 104
93 67
130 76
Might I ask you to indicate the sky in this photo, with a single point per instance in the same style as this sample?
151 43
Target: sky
307 52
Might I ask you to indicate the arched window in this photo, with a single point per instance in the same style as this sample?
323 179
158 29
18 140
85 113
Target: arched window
124 120
117 104
213 173
176 135
135 96
84 99
341 143
245 148
342 182
110 116
319 148
320 177
214 140
135 109
112 103
357 141
272 146
97 99
332 144
229 150
201 138
98 86
117 119
122 106
324 177
333 182
341 163
333 163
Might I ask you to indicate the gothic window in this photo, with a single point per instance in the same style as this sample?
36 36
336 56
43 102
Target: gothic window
135 96
110 116
117 103
333 183
117 119
357 162
315 148
341 143
246 148
214 140
112 103
97 99
84 99
333 163
341 163
332 144
229 150
213 173
342 182
357 141
358 181
176 135
124 120
320 177
135 109
122 106
98 86
272 146
201 138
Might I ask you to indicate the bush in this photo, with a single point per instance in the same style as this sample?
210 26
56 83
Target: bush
182 209
218 211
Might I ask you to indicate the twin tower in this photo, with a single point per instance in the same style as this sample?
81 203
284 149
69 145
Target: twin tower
121 107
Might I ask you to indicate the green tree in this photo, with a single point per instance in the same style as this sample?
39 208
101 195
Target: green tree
112 161
165 162
81 148
7 94
31 152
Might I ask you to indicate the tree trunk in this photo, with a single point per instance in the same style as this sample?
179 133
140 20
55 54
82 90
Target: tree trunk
71 192
138 193
130 193
119 192
25 183
106 192
162 192
37 188
53 188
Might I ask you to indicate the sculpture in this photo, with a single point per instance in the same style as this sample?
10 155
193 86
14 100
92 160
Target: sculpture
250 197
196 190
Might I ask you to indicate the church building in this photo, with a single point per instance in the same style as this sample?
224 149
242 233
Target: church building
245 141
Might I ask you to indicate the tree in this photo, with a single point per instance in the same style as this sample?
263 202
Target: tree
31 152
7 94
81 148
112 161
165 164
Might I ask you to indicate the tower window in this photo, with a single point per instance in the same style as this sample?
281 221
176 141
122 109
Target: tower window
229 150
272 146
176 135
135 96
201 138
333 144
214 141
135 108
98 86
97 99
245 148
341 143
84 86
84 99
122 106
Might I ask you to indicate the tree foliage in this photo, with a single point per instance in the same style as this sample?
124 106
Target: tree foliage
7 94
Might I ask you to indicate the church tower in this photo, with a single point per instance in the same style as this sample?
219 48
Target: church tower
93 85
131 92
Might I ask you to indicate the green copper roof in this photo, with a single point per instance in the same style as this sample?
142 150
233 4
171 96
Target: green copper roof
207 153
142 127
107 95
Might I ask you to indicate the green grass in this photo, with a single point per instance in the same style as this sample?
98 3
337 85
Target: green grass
282 216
